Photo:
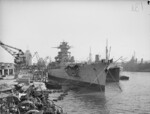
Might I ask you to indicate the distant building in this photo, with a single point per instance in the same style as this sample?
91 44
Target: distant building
28 58
135 66
6 68
142 61
97 58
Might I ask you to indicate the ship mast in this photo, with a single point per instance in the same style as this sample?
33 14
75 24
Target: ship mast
106 50
90 56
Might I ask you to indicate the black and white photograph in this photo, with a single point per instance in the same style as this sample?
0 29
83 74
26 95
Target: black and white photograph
74 56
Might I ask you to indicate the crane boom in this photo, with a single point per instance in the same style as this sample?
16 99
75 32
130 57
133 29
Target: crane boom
10 46
19 56
37 56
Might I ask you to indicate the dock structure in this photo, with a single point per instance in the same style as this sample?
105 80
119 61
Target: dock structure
28 98
31 100
6 69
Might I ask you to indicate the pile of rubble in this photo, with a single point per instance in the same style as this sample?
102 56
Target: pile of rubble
4 86
30 99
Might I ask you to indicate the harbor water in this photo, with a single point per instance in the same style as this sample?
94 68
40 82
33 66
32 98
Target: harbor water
126 97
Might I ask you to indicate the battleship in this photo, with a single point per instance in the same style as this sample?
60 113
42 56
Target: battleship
70 74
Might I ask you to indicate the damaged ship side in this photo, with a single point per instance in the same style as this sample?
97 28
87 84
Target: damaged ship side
91 76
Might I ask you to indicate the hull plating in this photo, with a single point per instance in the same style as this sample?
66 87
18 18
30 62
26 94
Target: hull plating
73 84
91 76
113 74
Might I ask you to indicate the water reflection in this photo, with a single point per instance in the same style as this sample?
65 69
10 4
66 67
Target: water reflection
86 102
133 99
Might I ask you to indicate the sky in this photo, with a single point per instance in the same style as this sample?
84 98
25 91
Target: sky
40 25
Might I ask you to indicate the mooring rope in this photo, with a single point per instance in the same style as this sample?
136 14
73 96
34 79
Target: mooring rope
99 74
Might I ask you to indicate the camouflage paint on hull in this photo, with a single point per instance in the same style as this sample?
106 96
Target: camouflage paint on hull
91 76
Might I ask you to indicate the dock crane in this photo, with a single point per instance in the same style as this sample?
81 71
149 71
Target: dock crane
18 54
40 68
37 56
40 61
19 57
46 60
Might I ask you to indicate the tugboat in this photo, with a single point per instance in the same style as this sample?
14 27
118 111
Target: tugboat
66 72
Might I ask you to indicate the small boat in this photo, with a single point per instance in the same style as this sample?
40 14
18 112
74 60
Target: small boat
124 78
52 85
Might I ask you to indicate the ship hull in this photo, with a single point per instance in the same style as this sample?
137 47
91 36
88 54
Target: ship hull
74 84
92 77
113 74
50 85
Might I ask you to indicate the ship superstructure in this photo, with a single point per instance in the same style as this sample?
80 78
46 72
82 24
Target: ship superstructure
64 55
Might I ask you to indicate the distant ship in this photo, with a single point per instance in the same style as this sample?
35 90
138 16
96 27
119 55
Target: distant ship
77 75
